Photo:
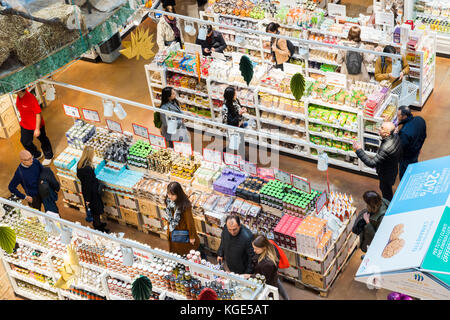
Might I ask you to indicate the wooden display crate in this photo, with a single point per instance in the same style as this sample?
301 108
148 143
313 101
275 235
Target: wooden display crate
127 202
73 197
112 211
213 243
152 222
318 280
109 198
69 183
148 208
200 225
317 265
291 272
130 216
9 130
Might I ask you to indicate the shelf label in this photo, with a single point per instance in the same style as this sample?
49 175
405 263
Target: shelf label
73 112
212 156
90 115
157 141
336 10
384 18
248 167
301 183
114 125
183 147
336 79
322 201
192 48
266 173
291 68
282 176
140 131
232 159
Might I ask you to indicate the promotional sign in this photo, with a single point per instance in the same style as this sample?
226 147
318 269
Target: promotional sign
322 201
218 55
90 115
157 141
232 159
183 148
337 10
336 79
114 126
212 156
73 112
248 167
384 18
140 131
282 176
301 183
291 68
266 173
192 48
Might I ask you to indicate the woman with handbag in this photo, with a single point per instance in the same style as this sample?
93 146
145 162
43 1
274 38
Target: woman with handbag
168 29
180 224
91 187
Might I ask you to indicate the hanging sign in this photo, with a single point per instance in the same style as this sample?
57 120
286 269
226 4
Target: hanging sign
335 10
212 156
73 112
114 126
248 167
384 18
157 141
90 115
301 183
183 148
140 131
336 79
232 159
282 176
322 201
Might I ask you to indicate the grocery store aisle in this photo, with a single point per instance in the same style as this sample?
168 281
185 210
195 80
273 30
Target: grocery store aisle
126 79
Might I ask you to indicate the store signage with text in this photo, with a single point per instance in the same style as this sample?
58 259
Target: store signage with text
384 18
73 112
114 126
140 131
90 115
248 167
337 10
212 156
322 201
301 183
231 159
157 141
282 176
183 148
192 48
336 79
291 68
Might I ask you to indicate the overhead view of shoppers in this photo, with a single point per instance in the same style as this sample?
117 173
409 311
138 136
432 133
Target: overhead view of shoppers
412 135
168 29
180 224
369 219
214 42
91 187
386 160
279 48
32 126
28 176
236 246
383 68
48 189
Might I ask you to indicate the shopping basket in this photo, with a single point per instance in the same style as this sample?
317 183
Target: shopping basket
406 92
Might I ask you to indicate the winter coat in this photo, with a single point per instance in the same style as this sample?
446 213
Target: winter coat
237 251
89 189
181 134
268 269
232 117
412 136
28 178
164 33
386 160
383 73
186 223
280 50
367 58
48 189
217 42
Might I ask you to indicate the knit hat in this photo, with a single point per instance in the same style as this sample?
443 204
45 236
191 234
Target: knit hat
207 294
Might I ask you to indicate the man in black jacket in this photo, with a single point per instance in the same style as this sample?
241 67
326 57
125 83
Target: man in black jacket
48 189
412 136
236 247
214 42
386 159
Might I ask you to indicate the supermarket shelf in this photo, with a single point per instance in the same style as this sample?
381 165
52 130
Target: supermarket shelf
89 288
372 136
32 281
30 295
156 85
334 150
206 129
371 144
285 138
283 113
276 93
192 103
327 49
31 244
192 74
332 106
276 147
283 125
114 297
339 163
234 83
324 61
199 93
28 266
312 120
234 44
316 71
72 296
330 136
328 33
227 31
92 267
119 276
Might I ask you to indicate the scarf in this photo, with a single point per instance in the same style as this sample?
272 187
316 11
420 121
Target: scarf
173 25
173 215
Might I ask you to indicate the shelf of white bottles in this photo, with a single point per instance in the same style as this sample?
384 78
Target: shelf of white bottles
142 253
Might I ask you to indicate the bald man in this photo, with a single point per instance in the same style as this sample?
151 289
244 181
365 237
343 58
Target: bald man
27 175
386 160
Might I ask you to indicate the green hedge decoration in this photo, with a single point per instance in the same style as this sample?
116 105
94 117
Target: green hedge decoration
246 68
298 86
141 289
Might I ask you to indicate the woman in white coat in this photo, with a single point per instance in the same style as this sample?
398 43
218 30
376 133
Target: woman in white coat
168 29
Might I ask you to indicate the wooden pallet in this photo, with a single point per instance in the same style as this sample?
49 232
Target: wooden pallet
161 234
116 219
72 205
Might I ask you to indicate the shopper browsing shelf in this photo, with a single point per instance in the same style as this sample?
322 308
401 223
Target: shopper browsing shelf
232 110
27 175
32 126
48 189
412 136
168 29
369 219
279 47
172 128
386 160
90 187
267 259
353 63
214 42
180 224
383 68
236 246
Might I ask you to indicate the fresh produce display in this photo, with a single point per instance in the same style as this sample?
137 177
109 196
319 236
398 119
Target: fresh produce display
138 153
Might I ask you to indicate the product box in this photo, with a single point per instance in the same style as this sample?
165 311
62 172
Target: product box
109 198
148 208
213 243
152 222
130 216
318 280
292 272
76 198
351 221
217 232
127 202
340 241
112 211
317 265
69 183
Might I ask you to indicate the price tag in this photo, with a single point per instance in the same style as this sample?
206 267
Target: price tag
183 148
266 173
79 234
140 131
384 18
248 167
192 48
282 176
114 126
73 112
322 201
157 141
212 156
232 159
336 79
301 183
336 10
90 115
291 68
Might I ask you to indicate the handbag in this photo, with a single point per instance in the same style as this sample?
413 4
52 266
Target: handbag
180 236
101 187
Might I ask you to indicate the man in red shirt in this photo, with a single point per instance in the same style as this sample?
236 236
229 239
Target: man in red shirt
32 125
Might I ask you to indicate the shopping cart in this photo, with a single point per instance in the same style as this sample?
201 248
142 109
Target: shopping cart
406 92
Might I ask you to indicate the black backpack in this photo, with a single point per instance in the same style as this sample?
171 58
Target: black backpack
353 61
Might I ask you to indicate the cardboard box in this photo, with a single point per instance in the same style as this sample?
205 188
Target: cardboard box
292 258
340 241
340 258
68 183
130 216
127 202
291 272
148 208
214 231
317 265
203 239
318 280
351 222
73 197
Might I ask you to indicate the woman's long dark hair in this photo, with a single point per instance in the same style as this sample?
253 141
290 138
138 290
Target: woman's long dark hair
165 95
228 96
272 27
182 202
372 200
